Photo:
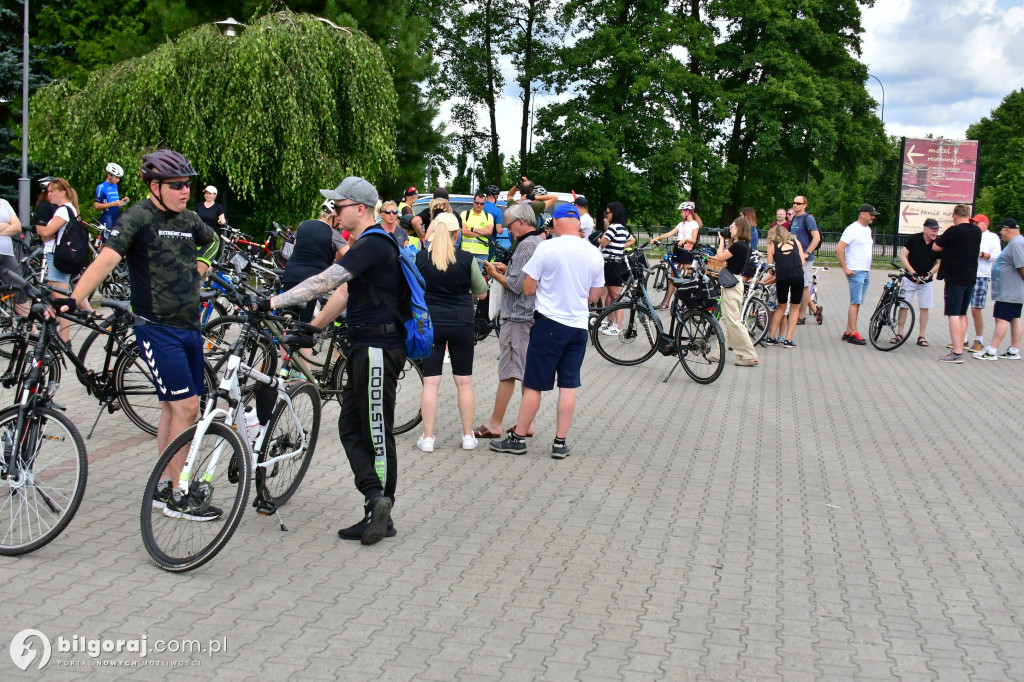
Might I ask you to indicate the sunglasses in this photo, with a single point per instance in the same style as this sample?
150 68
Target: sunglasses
390 212
478 203
339 207
799 203
178 184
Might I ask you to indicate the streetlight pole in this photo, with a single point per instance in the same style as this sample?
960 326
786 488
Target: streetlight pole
24 186
883 96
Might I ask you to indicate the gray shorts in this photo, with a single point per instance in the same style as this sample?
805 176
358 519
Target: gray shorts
808 271
513 341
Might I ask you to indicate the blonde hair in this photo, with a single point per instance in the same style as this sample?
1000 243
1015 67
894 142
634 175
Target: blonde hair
388 204
779 235
62 184
442 246
439 205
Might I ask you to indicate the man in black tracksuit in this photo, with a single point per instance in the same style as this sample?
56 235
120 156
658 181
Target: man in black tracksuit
376 286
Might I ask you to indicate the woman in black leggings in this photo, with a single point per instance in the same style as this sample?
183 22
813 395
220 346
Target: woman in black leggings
452 279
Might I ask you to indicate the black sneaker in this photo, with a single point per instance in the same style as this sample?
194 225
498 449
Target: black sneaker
788 344
378 514
356 532
191 507
510 444
560 451
162 496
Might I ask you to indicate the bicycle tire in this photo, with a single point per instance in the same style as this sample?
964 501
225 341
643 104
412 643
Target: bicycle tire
179 545
8 313
83 350
8 343
408 397
60 462
700 345
136 394
756 319
884 325
280 482
635 343
658 289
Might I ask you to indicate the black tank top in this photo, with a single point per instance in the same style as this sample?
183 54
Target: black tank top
449 300
787 265
313 252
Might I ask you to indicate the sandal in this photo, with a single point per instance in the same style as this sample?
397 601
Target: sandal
921 341
662 307
482 432
817 314
896 339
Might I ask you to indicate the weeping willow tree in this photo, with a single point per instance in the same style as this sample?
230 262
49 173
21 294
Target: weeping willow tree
290 106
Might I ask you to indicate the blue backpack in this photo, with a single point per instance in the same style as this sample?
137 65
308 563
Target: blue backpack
419 331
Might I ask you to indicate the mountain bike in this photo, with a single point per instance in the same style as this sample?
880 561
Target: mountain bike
220 456
43 464
884 327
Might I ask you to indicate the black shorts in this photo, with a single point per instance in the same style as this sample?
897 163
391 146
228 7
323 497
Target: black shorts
615 273
1006 311
555 349
957 299
458 339
789 291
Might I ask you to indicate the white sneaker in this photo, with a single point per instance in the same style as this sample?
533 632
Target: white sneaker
604 325
469 442
425 444
1010 356
986 355
611 331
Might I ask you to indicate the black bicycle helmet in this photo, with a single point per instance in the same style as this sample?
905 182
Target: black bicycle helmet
45 181
165 163
492 191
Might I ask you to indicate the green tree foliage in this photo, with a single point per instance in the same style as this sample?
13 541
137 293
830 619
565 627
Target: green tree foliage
1008 186
288 107
724 101
1000 136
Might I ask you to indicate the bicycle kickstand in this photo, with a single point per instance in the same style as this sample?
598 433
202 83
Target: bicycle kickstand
671 372
97 421
265 508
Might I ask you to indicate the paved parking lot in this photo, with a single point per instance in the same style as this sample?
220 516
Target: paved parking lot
835 513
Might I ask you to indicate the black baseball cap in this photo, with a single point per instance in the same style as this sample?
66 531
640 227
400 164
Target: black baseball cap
580 200
441 193
931 222
1010 223
867 208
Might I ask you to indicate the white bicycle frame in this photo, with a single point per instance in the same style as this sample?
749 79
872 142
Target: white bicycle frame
236 417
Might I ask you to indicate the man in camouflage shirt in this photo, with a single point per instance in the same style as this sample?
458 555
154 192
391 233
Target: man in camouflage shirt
159 237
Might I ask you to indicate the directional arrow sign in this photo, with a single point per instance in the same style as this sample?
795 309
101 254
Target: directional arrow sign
913 215
906 212
939 171
911 154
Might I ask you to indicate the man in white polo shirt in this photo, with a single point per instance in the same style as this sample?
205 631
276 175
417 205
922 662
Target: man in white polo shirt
990 248
565 273
854 255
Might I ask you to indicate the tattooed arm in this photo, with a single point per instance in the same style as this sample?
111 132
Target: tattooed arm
317 285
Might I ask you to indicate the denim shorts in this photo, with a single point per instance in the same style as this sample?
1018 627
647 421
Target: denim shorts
53 274
859 281
554 348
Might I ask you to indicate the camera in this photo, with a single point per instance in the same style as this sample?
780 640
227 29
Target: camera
725 232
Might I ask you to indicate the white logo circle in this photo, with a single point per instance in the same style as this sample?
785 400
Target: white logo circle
23 653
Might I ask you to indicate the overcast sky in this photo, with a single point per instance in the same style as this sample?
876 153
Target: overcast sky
944 64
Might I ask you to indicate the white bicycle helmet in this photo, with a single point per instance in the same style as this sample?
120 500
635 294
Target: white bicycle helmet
327 206
115 170
539 191
686 206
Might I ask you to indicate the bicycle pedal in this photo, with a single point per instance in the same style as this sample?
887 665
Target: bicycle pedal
264 507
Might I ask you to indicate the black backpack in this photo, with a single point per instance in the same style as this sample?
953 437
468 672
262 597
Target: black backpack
71 253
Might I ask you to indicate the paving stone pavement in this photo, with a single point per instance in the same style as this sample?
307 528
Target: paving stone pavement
835 513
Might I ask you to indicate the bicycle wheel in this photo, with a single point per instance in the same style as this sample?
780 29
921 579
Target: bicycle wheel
756 319
885 325
181 544
279 481
133 383
408 395
657 290
637 340
39 498
7 309
700 345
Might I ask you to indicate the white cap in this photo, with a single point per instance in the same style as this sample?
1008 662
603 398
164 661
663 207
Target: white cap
211 189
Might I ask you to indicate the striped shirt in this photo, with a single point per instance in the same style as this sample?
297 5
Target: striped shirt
617 236
515 305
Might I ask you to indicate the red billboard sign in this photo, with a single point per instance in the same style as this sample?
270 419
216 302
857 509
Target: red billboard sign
941 171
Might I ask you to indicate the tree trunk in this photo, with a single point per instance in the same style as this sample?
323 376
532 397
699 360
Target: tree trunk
526 81
495 170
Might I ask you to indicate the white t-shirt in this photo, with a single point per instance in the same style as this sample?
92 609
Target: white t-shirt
566 269
6 212
686 230
858 242
61 212
587 223
989 244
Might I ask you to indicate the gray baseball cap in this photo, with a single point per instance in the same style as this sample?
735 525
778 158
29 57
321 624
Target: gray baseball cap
354 189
